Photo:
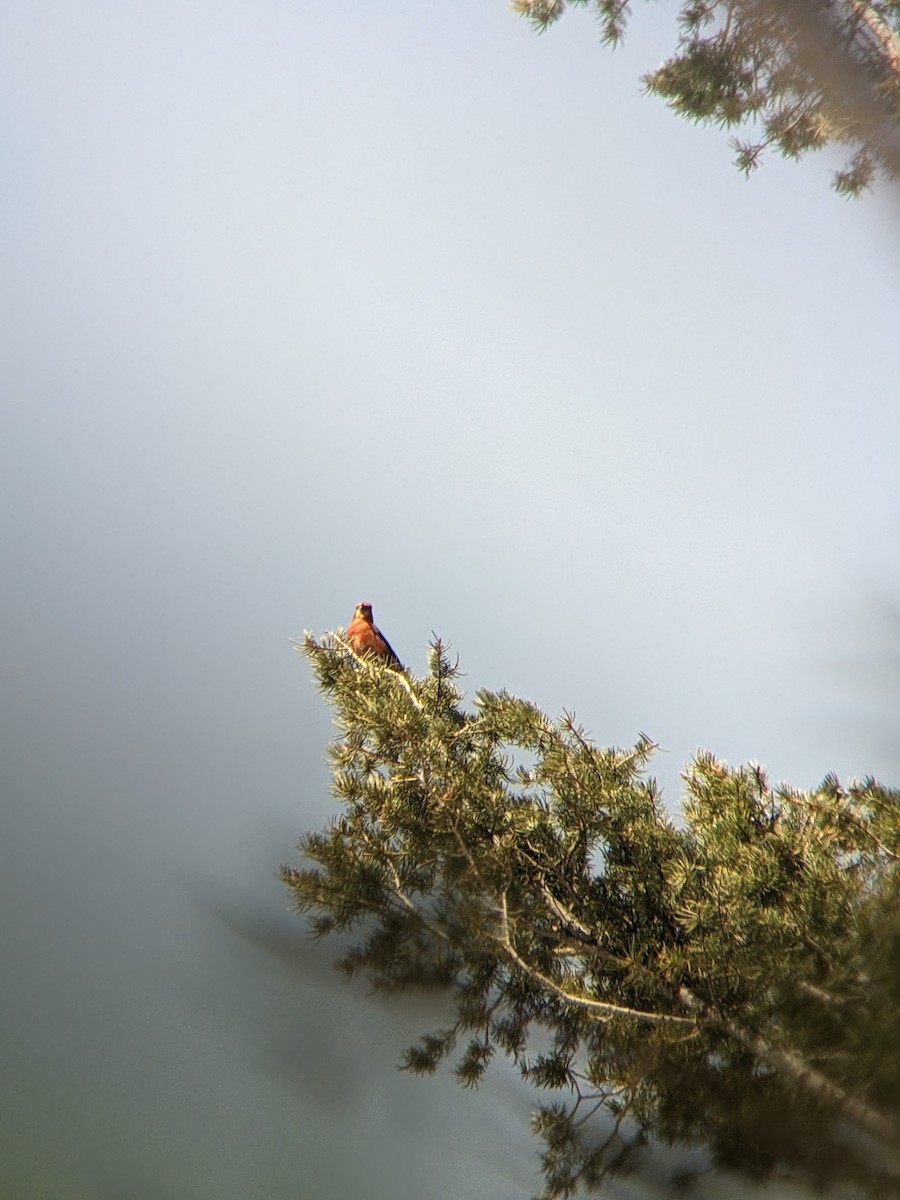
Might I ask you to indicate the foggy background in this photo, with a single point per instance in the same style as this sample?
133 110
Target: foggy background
305 304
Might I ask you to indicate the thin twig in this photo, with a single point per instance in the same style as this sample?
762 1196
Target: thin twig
604 1010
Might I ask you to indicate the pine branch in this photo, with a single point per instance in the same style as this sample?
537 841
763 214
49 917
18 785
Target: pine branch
886 37
793 1067
601 1010
713 979
800 75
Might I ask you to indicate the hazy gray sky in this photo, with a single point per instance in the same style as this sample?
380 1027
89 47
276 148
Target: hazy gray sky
311 303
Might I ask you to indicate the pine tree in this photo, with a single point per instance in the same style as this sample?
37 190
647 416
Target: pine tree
797 76
730 981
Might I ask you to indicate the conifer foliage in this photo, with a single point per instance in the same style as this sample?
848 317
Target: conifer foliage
729 982
795 75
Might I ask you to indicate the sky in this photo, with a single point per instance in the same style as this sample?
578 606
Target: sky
304 304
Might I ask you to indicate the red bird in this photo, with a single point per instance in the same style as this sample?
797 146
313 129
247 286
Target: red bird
367 640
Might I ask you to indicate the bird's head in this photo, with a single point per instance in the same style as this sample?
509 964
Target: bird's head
364 610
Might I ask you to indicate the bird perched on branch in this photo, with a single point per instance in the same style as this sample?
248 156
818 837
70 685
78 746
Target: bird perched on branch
367 640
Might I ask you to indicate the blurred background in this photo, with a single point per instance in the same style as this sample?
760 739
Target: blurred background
305 304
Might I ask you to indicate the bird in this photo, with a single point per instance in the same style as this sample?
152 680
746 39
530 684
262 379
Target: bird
367 640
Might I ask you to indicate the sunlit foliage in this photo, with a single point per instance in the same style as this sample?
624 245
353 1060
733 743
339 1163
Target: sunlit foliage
792 76
729 981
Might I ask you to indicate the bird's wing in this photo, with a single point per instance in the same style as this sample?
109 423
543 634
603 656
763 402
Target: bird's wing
389 648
